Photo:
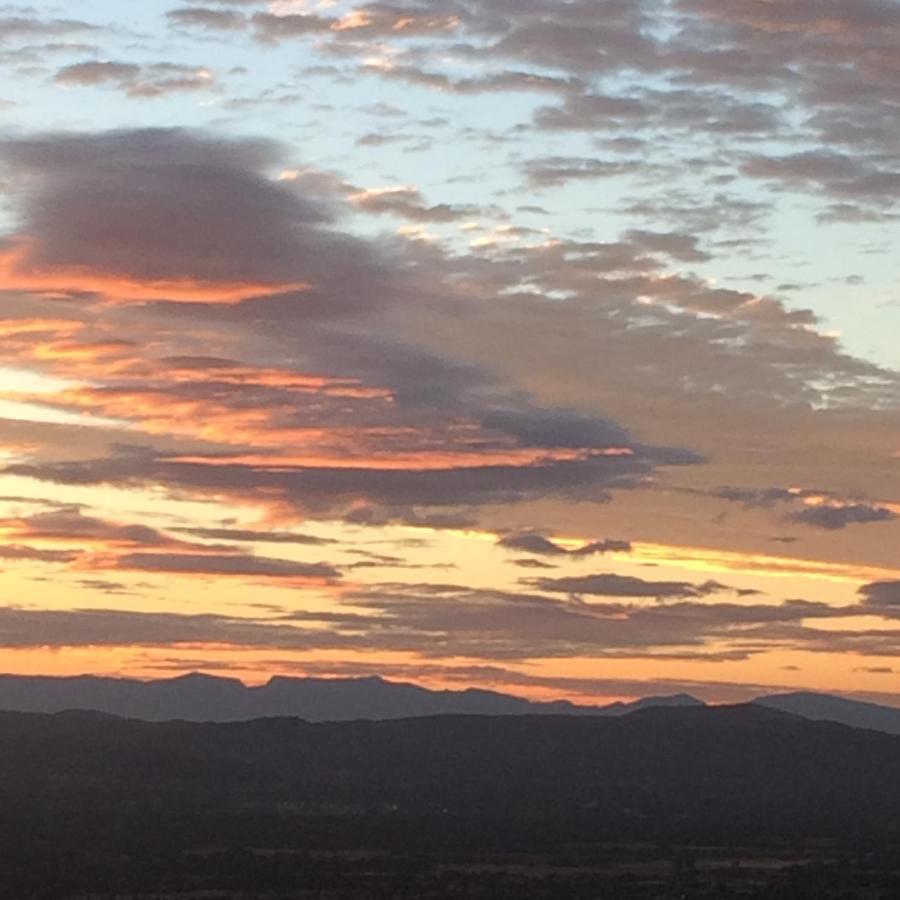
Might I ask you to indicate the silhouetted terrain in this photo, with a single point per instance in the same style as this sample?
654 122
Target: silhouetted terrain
206 698
665 802
825 707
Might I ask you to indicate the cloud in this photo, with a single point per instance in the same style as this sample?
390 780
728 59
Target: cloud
90 73
19 553
445 620
383 428
440 621
821 509
202 17
230 564
274 28
555 171
581 37
756 497
169 214
149 81
590 112
605 546
532 426
328 490
679 246
720 212
371 21
408 203
496 82
249 536
402 431
881 594
21 628
609 585
70 524
434 380
531 542
803 16
103 545
839 175
835 517
13 27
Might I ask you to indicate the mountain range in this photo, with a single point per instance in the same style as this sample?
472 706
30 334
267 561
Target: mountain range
198 697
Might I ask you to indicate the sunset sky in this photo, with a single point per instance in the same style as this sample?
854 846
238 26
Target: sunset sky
547 346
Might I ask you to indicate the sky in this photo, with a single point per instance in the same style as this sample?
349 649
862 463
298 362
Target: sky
545 346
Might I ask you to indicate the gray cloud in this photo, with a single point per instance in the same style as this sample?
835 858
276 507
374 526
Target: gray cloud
558 170
679 246
107 628
149 81
408 203
333 490
162 205
838 175
826 510
71 524
447 621
610 585
244 535
242 565
791 16
202 17
269 27
24 26
530 542
761 497
18 552
881 594
498 82
833 518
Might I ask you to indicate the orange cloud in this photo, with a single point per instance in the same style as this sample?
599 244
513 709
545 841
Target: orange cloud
439 460
27 328
19 271
703 559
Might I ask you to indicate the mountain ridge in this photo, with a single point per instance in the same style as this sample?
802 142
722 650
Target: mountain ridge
834 708
201 697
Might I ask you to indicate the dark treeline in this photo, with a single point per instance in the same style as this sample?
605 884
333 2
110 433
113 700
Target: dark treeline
696 802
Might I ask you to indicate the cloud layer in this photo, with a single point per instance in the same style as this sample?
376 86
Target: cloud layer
304 306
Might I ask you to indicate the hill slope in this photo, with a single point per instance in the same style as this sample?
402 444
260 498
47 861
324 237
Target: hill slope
205 698
730 768
532 807
826 707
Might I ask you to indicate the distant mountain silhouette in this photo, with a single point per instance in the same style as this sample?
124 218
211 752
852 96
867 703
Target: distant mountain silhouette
826 707
206 698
